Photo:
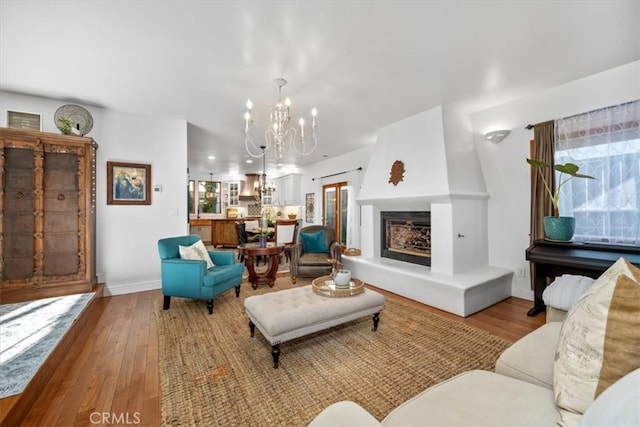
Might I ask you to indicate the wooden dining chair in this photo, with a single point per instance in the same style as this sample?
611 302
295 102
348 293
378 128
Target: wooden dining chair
285 234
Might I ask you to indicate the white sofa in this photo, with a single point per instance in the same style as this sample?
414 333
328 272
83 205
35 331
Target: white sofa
519 393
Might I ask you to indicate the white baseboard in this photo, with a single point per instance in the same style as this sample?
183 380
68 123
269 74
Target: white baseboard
129 288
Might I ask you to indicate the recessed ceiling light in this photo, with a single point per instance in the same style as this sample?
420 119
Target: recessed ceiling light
212 157
249 161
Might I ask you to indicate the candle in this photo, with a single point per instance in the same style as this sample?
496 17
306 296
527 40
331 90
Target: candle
247 117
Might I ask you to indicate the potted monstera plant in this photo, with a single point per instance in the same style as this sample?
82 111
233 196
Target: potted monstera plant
556 227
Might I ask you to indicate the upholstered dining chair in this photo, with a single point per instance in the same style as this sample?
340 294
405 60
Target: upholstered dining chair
312 254
189 270
285 234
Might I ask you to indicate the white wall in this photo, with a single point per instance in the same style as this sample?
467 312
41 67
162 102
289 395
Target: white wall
127 255
503 164
345 162
419 142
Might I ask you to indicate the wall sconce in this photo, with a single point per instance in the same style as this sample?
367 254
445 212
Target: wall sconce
497 135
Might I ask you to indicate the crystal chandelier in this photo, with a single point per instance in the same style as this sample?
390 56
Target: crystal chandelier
279 136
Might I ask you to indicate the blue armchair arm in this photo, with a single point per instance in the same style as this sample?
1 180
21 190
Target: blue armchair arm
181 277
222 257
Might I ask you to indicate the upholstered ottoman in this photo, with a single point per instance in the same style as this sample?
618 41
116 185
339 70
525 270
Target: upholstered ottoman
285 315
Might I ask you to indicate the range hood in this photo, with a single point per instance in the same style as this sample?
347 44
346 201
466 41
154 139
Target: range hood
248 190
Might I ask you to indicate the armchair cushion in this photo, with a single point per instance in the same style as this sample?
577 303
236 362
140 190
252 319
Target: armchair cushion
222 274
314 242
197 251
317 259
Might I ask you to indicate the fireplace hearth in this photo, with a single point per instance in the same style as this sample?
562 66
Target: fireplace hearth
406 236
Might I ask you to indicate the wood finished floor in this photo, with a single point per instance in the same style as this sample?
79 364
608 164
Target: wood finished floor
111 370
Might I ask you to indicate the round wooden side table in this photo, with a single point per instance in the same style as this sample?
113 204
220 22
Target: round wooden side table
253 251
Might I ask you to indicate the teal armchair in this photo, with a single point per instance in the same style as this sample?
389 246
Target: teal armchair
190 278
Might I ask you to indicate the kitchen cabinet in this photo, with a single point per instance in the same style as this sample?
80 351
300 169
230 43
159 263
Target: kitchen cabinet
224 232
47 214
201 227
233 195
289 190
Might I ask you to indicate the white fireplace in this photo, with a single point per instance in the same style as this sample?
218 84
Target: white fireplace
442 176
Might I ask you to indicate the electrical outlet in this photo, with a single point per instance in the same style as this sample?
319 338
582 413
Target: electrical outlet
522 272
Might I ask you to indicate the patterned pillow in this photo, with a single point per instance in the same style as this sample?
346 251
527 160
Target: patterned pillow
196 251
600 339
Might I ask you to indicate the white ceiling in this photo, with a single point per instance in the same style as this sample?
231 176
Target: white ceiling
362 64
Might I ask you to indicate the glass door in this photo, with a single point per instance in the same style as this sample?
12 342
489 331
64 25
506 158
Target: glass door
335 199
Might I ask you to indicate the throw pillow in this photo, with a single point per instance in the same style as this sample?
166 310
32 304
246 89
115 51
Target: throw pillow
314 242
617 406
197 251
599 339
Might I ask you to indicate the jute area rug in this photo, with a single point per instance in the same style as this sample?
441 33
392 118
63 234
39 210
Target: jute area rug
213 373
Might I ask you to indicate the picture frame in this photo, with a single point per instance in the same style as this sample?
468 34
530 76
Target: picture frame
128 183
309 207
24 120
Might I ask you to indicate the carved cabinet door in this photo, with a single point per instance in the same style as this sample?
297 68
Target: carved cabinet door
47 214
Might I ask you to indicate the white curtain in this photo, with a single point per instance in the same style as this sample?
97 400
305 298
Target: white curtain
353 210
606 145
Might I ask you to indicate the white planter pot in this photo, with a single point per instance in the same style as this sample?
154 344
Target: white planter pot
342 277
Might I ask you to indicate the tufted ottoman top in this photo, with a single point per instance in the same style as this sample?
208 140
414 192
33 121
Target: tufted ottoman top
295 312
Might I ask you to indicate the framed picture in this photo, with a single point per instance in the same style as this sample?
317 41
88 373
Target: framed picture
22 120
128 184
309 206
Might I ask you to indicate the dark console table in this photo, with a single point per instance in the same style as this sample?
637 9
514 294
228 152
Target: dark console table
551 259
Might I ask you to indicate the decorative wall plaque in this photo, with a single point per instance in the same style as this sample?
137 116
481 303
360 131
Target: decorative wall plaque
22 120
397 172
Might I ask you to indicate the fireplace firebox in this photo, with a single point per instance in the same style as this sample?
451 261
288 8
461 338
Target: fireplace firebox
406 236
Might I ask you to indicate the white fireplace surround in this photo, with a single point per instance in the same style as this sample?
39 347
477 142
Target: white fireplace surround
443 176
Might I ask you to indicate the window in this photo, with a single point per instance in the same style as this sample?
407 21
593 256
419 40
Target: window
606 145
191 206
335 201
209 200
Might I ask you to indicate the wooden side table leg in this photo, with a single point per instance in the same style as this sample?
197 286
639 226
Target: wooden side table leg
273 268
249 262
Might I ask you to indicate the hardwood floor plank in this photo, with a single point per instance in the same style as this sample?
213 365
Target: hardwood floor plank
112 367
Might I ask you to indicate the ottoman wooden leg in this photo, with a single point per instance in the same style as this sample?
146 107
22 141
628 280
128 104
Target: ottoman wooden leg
252 328
376 320
210 306
275 352
167 303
